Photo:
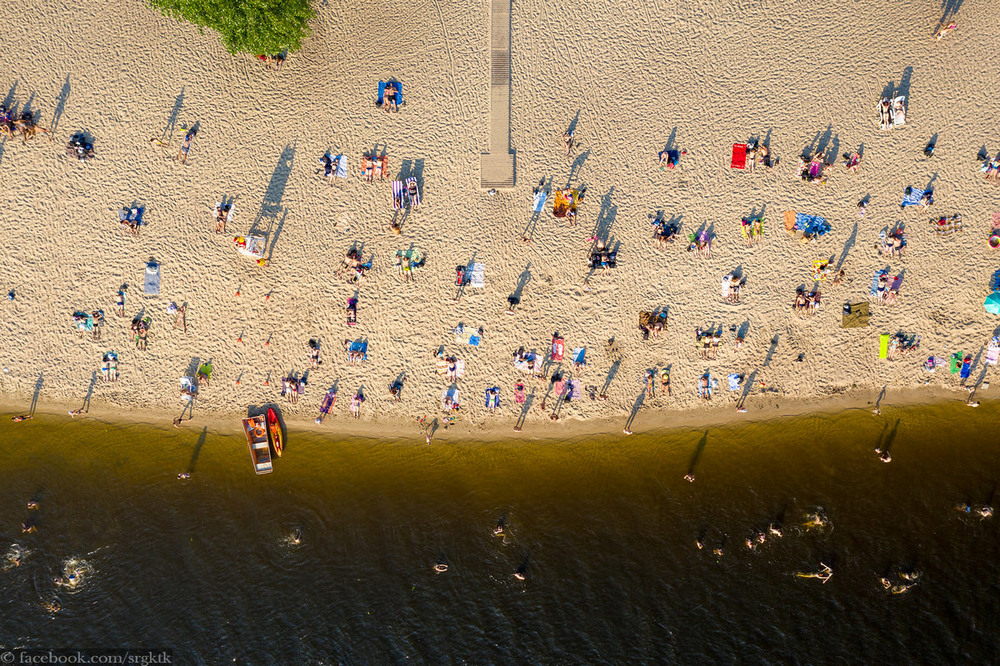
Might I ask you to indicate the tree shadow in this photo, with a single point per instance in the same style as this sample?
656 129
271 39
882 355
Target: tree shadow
60 106
168 130
38 390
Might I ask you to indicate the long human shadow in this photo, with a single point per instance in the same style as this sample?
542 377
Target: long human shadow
168 130
847 247
572 124
605 216
574 169
891 437
60 106
636 406
197 449
522 280
612 371
891 90
8 101
696 456
949 9
38 390
524 410
770 352
529 229
270 206
747 387
90 391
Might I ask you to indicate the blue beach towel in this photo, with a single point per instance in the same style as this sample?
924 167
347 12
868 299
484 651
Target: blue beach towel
578 354
913 196
360 347
874 290
493 397
381 91
813 225
151 280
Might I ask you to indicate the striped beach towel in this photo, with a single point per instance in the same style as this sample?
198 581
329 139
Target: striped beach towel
411 185
397 194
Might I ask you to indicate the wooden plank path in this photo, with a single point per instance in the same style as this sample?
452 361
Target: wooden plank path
497 166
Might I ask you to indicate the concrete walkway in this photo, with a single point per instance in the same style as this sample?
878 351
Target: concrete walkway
498 164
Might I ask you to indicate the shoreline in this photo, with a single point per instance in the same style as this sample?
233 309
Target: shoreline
655 420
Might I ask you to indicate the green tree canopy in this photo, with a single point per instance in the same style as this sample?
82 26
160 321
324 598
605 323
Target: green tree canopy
252 26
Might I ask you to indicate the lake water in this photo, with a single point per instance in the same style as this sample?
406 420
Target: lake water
603 528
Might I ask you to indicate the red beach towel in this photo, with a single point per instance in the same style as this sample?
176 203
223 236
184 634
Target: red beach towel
739 156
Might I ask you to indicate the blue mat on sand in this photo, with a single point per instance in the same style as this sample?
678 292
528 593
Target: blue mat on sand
813 225
381 92
913 197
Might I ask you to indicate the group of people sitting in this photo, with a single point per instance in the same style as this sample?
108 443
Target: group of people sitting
816 170
526 361
601 257
806 301
23 123
330 165
374 165
91 322
79 147
758 153
663 231
892 243
887 292
355 266
140 331
130 219
410 192
406 264
355 353
991 169
314 360
902 345
891 113
651 325
701 244
707 342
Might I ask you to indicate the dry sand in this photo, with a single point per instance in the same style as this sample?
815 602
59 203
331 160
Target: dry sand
633 75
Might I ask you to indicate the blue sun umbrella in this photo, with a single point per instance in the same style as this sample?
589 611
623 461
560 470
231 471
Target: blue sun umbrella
992 303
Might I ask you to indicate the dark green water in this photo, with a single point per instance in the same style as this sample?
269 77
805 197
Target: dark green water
605 529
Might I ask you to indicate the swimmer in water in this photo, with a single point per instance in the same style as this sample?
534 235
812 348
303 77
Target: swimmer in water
886 583
689 477
32 505
883 454
498 530
440 567
295 538
910 576
184 475
22 417
775 529
985 511
718 552
28 527
51 606
519 574
901 589
964 508
701 544
814 520
751 544
760 536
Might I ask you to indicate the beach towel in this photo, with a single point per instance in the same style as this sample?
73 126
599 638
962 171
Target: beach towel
739 160
188 386
815 169
559 387
414 199
451 393
578 354
539 201
574 391
993 351
883 345
913 196
519 395
360 347
899 115
476 276
397 194
933 362
956 361
946 226
342 166
562 204
855 315
151 282
789 216
896 283
327 403
966 369
724 288
558 348
734 381
380 98
493 397
814 225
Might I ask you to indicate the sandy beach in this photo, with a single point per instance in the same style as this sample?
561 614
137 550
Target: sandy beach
630 80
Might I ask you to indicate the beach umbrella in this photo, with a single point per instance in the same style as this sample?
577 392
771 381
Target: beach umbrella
992 303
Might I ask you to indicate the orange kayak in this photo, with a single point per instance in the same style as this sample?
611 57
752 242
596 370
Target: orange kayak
274 428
